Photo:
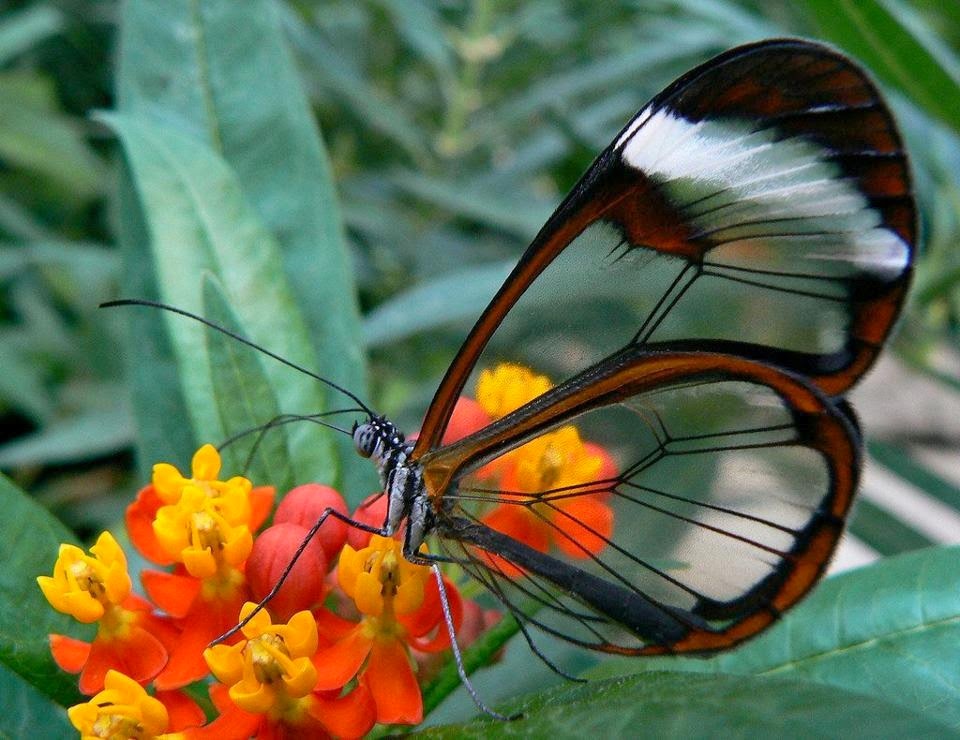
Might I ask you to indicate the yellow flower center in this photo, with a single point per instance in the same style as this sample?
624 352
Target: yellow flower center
86 586
119 726
272 666
85 578
122 710
382 583
556 460
208 535
268 657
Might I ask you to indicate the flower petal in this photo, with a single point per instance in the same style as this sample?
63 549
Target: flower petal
331 626
261 503
205 464
441 636
174 594
253 696
585 525
517 522
102 658
226 662
144 655
183 711
139 519
348 716
68 653
186 663
340 662
392 684
233 722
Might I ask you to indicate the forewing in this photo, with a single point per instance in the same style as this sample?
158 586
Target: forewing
760 206
732 483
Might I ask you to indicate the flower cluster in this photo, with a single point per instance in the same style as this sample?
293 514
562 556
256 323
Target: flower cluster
555 489
352 632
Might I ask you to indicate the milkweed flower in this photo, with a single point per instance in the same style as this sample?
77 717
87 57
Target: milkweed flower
507 387
555 483
123 709
96 588
204 527
271 680
576 520
400 609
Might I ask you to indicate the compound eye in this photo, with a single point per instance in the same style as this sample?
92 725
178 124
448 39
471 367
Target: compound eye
364 439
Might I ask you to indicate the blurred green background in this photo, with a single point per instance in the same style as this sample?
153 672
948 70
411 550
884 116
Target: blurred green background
453 129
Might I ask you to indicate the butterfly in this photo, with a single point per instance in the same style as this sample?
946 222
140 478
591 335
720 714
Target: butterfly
727 268
723 273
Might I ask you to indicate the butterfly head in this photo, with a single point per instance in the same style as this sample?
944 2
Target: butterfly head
376 437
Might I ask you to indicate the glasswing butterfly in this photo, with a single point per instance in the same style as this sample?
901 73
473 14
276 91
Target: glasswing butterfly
722 274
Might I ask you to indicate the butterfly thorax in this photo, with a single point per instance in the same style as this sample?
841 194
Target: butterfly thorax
401 478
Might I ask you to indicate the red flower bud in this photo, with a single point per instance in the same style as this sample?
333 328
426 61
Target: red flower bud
305 504
304 587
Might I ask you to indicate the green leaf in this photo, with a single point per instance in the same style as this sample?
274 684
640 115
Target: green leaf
36 137
883 532
89 434
26 712
512 212
200 223
245 399
220 71
889 630
906 466
446 300
20 385
21 30
420 25
478 655
29 539
156 396
695 706
896 46
380 112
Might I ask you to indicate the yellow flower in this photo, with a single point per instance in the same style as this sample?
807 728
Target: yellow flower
508 387
380 580
85 586
554 460
204 470
122 710
204 532
272 666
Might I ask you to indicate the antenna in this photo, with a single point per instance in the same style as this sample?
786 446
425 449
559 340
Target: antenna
239 338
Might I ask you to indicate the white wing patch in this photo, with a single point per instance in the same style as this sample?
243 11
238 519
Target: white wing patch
773 204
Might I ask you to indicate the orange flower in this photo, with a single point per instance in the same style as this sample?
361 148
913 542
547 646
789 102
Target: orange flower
565 511
97 589
123 709
205 527
272 679
232 502
577 522
401 609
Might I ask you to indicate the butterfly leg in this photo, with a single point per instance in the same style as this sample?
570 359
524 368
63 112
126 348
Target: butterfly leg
457 656
286 571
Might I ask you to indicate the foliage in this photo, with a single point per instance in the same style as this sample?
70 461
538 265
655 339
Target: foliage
450 131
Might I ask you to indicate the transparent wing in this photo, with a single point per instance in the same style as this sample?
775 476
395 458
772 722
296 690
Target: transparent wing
729 485
760 206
